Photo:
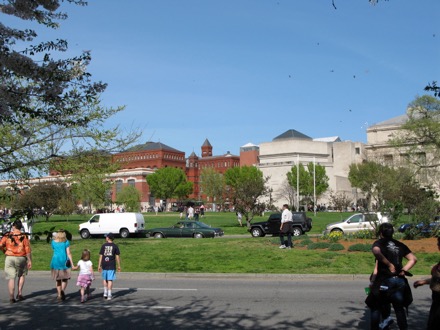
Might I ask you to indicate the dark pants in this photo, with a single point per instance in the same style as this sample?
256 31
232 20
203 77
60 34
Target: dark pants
287 230
434 312
394 295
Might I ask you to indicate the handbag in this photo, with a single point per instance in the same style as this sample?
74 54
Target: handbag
68 263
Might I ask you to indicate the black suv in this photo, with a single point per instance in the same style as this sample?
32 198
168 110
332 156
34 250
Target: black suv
301 224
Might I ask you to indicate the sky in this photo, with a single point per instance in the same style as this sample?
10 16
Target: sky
245 71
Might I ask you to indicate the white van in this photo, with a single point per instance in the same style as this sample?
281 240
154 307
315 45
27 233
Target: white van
124 224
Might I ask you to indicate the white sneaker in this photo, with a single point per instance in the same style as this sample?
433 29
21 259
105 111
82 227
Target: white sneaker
387 322
109 297
282 246
105 296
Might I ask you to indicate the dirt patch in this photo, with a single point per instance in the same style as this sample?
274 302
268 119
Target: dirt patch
428 245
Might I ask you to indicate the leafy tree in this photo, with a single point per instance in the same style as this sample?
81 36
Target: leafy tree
371 178
247 187
44 197
312 181
184 189
130 197
212 184
169 182
432 87
392 189
48 105
87 172
67 205
34 83
419 137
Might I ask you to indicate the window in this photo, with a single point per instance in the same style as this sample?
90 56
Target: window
388 159
357 151
131 182
118 185
356 218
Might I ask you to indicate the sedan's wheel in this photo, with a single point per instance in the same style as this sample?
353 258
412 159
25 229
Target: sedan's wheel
256 232
198 235
85 234
158 235
296 231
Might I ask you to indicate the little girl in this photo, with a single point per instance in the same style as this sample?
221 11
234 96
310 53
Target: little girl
85 276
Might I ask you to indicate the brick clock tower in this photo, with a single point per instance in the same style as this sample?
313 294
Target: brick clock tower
206 149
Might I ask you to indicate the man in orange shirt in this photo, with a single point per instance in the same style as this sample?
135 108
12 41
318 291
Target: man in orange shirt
17 249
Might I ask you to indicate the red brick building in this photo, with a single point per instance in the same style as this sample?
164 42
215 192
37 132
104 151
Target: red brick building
143 159
140 161
196 164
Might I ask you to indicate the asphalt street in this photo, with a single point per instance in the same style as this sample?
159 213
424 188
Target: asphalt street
202 301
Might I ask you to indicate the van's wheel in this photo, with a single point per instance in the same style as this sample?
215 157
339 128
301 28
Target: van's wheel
124 233
198 235
158 235
85 234
256 232
296 231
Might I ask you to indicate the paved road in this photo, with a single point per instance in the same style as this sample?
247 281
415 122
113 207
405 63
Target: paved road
187 301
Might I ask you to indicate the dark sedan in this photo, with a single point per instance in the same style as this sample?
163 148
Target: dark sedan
195 229
424 229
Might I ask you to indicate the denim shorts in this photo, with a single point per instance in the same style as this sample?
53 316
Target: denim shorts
109 275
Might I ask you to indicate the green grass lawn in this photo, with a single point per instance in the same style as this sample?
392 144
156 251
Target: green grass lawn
218 255
225 220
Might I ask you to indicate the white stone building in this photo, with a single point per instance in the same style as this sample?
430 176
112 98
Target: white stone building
277 157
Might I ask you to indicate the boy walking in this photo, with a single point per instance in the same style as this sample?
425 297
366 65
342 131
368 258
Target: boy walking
108 258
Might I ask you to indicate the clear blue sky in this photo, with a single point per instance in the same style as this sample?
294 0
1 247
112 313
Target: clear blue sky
239 71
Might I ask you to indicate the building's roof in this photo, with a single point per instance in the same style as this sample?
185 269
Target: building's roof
399 120
228 154
292 134
206 143
151 146
249 145
328 139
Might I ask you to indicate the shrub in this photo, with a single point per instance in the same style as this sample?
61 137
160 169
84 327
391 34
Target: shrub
360 247
364 234
335 236
305 242
336 247
318 245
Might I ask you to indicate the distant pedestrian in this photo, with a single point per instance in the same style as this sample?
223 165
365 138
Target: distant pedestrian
61 263
286 227
239 218
18 259
202 211
85 276
108 259
190 213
